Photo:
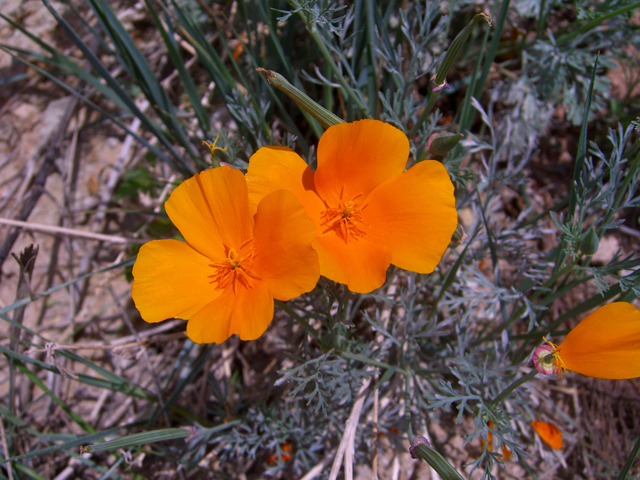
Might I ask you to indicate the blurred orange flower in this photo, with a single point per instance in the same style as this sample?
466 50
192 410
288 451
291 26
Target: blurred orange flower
606 344
368 212
225 277
285 447
506 453
549 433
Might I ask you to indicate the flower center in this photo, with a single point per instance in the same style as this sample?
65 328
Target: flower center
345 219
554 358
236 268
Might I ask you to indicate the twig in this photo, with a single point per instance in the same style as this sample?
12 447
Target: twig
39 227
315 471
37 187
26 262
154 377
348 437
125 346
5 447
99 222
374 441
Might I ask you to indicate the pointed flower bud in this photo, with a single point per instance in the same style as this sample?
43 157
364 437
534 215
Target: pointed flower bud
443 143
454 50
324 116
590 242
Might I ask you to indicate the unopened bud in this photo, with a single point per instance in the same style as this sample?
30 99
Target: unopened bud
590 242
443 143
324 116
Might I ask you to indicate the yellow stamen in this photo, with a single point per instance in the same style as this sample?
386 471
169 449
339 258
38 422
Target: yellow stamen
557 359
345 219
212 146
236 268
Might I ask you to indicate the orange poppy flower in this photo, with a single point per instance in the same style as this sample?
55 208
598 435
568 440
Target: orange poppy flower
369 213
225 277
606 344
549 433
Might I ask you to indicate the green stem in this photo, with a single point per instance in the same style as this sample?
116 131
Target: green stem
425 113
597 21
375 363
627 465
298 318
336 71
502 395
518 313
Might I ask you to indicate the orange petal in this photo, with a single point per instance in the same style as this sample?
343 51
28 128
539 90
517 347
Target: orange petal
606 344
280 168
506 453
171 281
247 313
414 215
359 264
549 433
211 209
284 257
357 157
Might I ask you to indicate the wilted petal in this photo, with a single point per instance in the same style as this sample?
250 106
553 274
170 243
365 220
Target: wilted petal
549 433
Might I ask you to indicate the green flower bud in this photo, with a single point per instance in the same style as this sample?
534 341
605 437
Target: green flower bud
590 242
443 143
454 50
324 116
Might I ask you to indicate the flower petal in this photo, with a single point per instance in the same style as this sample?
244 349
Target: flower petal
284 257
549 433
280 168
211 209
357 157
414 215
606 344
171 281
247 313
359 264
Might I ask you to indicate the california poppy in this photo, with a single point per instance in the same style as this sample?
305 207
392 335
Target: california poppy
368 212
549 433
606 344
234 263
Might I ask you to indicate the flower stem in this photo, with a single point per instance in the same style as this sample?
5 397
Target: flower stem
298 318
502 395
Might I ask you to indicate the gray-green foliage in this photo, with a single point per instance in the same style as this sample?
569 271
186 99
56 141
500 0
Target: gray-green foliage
428 343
